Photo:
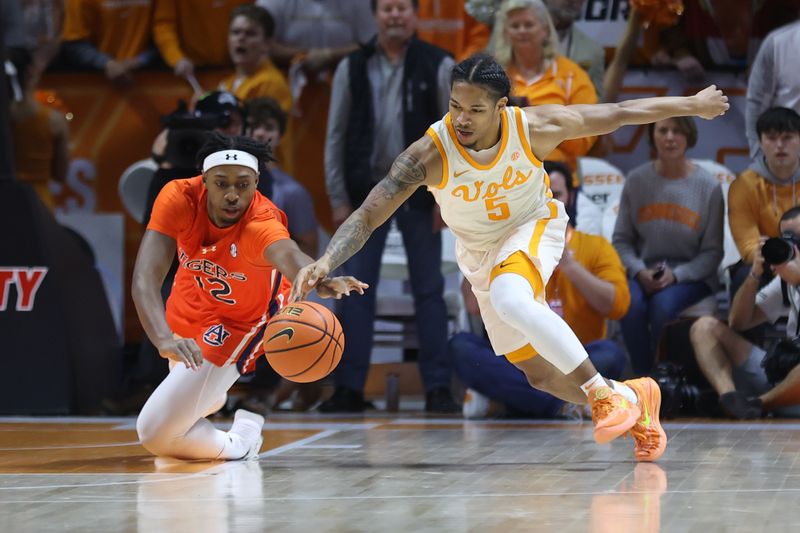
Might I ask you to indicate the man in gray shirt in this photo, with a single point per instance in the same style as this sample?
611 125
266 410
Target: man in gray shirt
774 79
384 97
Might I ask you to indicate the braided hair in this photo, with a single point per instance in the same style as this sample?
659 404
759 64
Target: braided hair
216 142
483 70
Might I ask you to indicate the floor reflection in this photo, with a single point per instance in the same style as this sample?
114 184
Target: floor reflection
635 506
216 498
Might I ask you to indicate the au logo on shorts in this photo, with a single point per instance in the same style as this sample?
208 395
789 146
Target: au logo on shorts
216 335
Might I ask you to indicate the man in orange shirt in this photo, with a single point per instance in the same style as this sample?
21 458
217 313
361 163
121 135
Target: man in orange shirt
110 36
235 258
588 288
189 33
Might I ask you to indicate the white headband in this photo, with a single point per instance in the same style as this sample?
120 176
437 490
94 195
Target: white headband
230 157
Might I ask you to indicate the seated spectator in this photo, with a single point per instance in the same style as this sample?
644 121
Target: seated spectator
40 134
732 365
251 28
669 236
525 42
113 37
587 288
266 123
575 44
710 36
773 81
189 33
769 187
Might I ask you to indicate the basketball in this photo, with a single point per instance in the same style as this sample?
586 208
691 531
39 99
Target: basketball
304 342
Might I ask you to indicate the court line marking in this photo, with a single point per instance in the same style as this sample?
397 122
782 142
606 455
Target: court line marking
298 443
73 447
419 496
333 446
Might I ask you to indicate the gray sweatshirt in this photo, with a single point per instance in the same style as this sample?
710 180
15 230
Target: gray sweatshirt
774 78
674 220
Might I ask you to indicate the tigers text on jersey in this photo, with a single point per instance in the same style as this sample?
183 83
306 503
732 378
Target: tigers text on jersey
223 278
484 203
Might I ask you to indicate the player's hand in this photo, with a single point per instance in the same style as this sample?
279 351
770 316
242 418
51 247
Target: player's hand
308 278
711 103
340 286
183 351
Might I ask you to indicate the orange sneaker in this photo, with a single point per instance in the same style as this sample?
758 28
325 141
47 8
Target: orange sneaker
612 414
650 439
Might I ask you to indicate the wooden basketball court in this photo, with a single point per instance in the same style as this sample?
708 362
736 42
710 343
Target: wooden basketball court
402 474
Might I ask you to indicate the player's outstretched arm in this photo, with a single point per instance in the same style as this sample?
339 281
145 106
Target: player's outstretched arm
289 259
418 165
152 264
550 125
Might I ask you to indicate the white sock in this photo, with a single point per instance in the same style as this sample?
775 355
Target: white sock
513 299
625 391
593 383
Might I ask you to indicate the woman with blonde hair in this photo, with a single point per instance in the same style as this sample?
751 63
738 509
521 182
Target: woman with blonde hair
525 42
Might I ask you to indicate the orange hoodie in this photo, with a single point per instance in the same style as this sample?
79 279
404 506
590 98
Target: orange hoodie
756 201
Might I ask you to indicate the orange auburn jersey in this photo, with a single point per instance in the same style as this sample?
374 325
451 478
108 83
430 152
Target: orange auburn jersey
223 276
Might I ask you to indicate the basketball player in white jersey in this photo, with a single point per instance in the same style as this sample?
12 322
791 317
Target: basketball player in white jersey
482 163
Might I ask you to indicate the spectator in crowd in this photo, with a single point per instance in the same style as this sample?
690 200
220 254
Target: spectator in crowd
575 44
734 367
44 22
449 26
40 134
588 288
710 36
250 31
384 97
774 81
112 37
266 123
525 42
189 33
669 236
313 37
759 195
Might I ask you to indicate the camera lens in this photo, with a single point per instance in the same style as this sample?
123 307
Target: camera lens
777 251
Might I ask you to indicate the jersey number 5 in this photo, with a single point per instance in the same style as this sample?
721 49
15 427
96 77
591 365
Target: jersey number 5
497 210
218 288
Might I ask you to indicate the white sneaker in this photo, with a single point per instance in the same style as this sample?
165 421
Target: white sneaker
248 426
476 405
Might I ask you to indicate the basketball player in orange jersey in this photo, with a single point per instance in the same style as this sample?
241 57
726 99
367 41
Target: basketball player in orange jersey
235 256
482 162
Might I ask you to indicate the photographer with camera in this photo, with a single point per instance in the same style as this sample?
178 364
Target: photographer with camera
752 381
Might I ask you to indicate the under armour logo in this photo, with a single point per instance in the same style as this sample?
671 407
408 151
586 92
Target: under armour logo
235 157
208 250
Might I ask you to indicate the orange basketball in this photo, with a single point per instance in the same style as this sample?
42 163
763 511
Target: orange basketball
304 342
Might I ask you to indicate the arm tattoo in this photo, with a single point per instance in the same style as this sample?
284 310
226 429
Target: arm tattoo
348 239
407 172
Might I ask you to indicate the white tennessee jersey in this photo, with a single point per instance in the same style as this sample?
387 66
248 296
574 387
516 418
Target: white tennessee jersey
483 203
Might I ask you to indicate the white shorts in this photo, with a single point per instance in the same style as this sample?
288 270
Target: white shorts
542 240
